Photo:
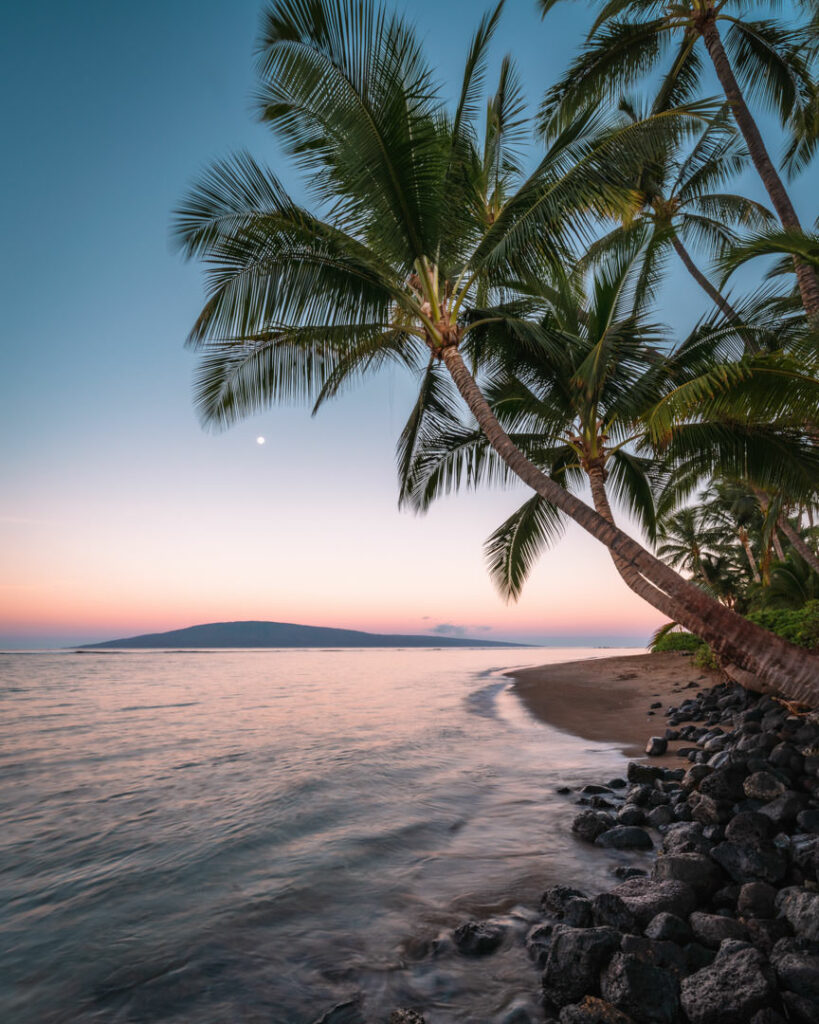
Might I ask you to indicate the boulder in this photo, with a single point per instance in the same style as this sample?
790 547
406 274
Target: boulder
796 963
555 899
660 817
646 897
763 786
576 958
625 837
478 938
578 913
745 862
656 746
756 899
643 773
731 990
695 869
405 1017
588 825
610 910
801 910
646 993
631 814
712 929
668 928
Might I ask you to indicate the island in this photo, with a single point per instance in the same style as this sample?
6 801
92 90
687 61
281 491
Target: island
285 634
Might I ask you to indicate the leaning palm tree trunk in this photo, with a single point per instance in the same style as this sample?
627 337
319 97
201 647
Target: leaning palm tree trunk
778 664
798 544
808 284
716 297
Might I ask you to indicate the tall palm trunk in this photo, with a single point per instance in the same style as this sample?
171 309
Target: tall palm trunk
715 296
749 554
780 665
798 544
707 27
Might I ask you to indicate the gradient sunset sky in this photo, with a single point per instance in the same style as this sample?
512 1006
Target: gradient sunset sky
118 513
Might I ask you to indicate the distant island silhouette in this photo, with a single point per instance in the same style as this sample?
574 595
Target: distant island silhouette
285 634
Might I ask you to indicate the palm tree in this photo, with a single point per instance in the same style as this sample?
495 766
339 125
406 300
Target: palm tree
570 391
689 542
763 58
674 204
401 249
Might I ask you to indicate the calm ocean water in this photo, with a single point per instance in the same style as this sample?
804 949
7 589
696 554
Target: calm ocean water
225 836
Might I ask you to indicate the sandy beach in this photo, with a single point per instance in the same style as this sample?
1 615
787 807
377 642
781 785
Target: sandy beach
609 699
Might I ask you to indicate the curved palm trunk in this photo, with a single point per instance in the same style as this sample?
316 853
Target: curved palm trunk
788 669
749 554
632 578
798 544
806 278
715 296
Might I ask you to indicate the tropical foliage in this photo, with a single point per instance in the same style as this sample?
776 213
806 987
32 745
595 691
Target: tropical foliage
523 292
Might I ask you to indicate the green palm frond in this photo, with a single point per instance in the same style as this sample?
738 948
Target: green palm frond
513 549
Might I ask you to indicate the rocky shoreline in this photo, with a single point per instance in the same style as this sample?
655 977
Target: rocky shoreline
724 928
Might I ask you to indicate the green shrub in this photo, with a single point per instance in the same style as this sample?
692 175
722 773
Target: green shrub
800 625
677 641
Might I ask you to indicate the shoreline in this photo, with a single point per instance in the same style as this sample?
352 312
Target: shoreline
608 700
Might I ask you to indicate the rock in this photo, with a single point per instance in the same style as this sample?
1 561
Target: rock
712 929
748 827
784 809
799 1009
625 837
667 955
808 821
643 773
538 941
576 958
763 786
591 789
706 809
593 1011
610 910
668 928
767 1016
646 897
695 869
631 814
686 838
801 910
724 783
796 963
477 938
617 783
656 745
764 934
756 899
655 705
737 984
555 899
660 817
695 774
578 913
747 863
624 871
405 1017
588 825
646 993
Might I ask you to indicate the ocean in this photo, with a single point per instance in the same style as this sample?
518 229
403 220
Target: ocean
264 835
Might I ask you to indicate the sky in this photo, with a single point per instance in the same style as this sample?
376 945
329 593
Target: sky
119 514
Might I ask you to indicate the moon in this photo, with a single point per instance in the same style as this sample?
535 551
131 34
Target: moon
259 440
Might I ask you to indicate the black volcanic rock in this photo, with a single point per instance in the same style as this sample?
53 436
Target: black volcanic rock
284 634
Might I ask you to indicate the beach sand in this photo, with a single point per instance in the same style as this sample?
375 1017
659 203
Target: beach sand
608 699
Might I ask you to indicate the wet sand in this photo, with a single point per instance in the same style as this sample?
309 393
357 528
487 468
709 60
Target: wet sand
608 699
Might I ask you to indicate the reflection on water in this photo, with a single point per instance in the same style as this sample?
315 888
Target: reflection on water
261 835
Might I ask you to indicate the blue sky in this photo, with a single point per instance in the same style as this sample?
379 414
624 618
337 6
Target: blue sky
118 513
